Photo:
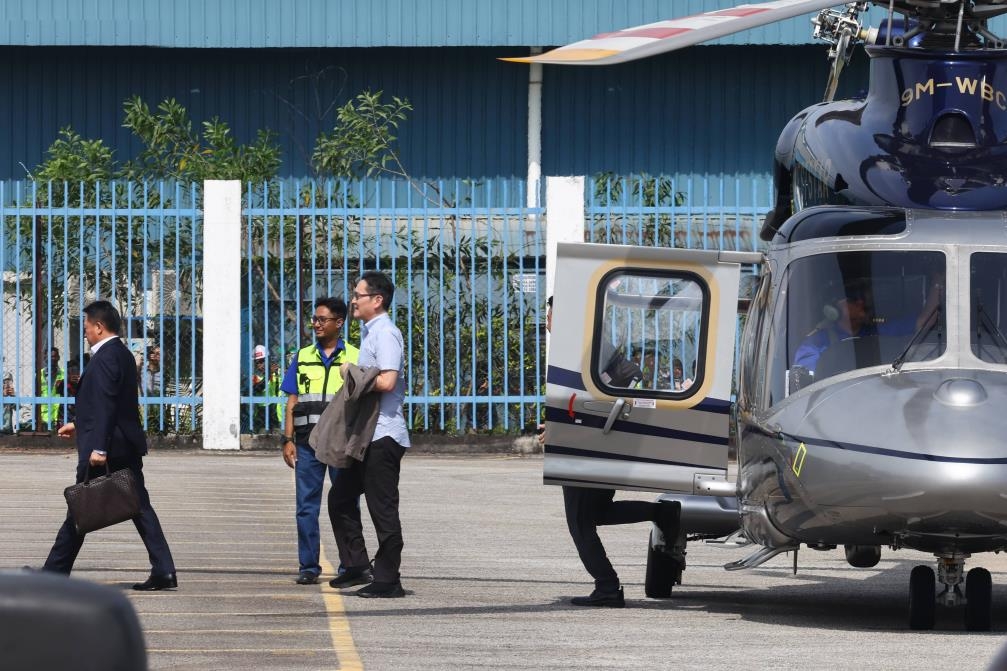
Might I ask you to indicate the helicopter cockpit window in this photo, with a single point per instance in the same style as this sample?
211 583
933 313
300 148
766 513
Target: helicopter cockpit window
859 309
988 322
648 337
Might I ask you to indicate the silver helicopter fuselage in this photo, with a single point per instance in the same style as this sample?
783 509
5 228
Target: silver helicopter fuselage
911 455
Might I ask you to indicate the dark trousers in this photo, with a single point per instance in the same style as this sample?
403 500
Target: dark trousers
68 542
377 478
588 508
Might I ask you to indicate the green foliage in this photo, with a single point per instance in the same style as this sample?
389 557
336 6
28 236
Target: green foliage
637 207
73 159
642 190
361 144
172 150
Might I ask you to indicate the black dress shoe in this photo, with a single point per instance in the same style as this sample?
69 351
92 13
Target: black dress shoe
352 576
382 590
307 578
599 599
157 582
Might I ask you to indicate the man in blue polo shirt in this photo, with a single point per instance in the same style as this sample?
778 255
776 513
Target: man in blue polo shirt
311 381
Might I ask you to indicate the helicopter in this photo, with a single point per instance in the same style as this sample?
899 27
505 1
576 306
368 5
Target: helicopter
871 403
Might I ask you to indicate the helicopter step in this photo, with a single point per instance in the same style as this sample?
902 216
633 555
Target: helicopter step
759 557
978 596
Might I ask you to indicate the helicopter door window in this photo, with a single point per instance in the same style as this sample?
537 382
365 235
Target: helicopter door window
859 309
649 334
988 311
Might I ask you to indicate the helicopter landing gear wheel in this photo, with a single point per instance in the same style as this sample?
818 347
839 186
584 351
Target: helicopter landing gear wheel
979 600
663 571
922 603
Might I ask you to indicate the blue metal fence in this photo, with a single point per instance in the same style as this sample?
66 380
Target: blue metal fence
64 245
664 211
468 260
468 263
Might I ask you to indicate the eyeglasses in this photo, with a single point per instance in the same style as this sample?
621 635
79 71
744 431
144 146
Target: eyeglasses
355 295
316 319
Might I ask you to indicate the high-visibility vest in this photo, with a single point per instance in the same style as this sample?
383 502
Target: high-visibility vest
317 383
273 389
50 411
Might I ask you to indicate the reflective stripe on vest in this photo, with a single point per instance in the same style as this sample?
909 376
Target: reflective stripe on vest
316 385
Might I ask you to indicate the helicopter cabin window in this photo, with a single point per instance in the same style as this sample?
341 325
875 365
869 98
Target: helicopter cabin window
649 334
859 309
988 311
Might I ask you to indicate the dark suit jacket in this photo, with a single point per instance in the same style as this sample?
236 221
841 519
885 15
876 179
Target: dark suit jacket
108 416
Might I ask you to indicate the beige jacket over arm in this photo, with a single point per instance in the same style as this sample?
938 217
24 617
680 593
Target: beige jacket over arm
346 426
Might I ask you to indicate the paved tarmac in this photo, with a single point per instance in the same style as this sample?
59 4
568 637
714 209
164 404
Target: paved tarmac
488 567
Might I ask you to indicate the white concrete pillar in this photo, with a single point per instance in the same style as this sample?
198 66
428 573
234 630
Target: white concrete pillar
564 214
221 314
564 211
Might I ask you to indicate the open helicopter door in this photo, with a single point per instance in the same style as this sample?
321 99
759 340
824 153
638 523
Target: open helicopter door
639 377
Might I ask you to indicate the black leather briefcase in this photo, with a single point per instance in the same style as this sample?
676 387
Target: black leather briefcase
103 501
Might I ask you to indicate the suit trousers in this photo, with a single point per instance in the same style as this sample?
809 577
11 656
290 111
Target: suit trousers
588 508
377 478
68 542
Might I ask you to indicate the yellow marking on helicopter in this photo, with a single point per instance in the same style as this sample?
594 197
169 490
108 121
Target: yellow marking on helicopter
802 451
965 86
565 55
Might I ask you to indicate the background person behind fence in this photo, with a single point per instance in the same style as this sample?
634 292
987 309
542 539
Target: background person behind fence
9 409
151 380
311 381
377 476
50 384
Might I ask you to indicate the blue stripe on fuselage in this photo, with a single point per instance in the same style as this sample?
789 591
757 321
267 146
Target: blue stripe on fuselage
898 454
594 454
598 422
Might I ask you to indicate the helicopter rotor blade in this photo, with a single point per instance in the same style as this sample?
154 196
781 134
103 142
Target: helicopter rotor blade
663 36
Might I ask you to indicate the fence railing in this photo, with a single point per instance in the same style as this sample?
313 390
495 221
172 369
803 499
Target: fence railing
468 260
469 275
64 245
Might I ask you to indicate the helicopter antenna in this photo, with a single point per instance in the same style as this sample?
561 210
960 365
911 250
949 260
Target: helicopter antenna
891 17
958 30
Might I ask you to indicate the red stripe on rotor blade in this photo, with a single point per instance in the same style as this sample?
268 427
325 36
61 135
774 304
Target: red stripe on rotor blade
569 407
737 11
656 33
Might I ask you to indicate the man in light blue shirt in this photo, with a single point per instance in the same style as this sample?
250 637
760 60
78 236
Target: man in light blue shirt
377 476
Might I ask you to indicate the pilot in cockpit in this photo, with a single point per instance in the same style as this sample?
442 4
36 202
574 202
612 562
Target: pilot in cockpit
852 316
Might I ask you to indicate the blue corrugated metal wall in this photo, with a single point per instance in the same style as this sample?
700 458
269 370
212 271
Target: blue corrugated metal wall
349 23
470 116
706 110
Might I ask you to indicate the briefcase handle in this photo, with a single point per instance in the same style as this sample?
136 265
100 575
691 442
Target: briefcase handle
87 476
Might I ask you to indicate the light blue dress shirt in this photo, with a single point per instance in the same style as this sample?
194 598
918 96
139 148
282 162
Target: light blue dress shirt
381 346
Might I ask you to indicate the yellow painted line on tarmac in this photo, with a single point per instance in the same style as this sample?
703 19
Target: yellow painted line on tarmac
339 623
265 651
235 631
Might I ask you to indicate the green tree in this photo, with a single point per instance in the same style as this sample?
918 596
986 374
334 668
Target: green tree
172 150
647 200
362 142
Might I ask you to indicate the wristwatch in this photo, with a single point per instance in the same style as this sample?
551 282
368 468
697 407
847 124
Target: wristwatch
286 439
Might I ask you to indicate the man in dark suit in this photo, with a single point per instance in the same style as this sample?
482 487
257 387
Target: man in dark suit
108 431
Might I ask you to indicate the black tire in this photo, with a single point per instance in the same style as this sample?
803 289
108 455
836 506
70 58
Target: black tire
662 574
922 601
978 600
